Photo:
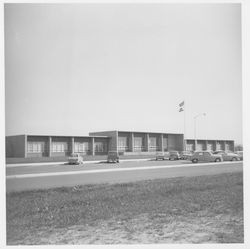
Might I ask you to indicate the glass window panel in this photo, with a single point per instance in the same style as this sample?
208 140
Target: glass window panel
35 147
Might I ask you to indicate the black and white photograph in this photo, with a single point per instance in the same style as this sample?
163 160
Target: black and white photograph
123 123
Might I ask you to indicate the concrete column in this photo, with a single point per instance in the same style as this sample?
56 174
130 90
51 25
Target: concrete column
195 145
72 145
213 146
184 144
49 146
25 146
216 145
131 142
206 143
224 145
92 146
161 143
146 142
232 146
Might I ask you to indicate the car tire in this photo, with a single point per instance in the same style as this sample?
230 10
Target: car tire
234 159
195 160
217 160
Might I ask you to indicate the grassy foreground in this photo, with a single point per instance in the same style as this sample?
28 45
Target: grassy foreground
204 209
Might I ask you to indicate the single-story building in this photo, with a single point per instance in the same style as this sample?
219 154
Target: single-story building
99 143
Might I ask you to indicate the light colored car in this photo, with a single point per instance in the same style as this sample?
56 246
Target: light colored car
205 156
75 159
162 156
185 155
240 154
228 155
113 157
174 155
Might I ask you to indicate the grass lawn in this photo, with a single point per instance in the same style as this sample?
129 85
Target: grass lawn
204 209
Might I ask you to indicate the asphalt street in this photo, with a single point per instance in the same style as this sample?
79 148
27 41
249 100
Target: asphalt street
47 176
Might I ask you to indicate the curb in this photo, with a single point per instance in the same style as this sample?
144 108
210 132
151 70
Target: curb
65 163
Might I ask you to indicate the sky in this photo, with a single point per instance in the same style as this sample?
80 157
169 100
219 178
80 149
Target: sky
71 69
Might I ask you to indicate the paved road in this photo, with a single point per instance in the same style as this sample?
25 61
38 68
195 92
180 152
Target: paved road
61 167
42 177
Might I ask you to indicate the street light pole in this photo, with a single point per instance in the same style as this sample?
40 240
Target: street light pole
195 117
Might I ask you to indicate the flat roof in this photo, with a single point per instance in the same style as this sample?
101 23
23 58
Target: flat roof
211 140
35 135
151 132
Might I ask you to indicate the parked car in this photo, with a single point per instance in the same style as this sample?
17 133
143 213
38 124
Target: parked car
185 155
162 156
240 154
75 159
113 157
174 155
205 156
227 155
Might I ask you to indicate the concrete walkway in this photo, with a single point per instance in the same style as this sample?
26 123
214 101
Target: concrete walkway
63 163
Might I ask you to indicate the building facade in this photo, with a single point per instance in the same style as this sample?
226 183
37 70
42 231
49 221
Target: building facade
55 146
99 143
210 145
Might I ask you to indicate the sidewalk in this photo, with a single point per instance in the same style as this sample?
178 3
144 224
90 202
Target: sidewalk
64 163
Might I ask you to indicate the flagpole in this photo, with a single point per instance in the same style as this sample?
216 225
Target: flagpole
182 109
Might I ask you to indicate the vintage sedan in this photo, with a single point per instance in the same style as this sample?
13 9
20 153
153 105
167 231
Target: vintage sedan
75 159
240 154
174 155
113 157
205 156
162 156
227 155
185 155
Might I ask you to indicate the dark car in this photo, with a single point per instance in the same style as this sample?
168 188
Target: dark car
174 155
113 157
205 156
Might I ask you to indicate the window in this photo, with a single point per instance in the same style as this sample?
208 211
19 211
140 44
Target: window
122 144
190 147
81 146
59 147
100 147
138 143
36 147
209 147
153 143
